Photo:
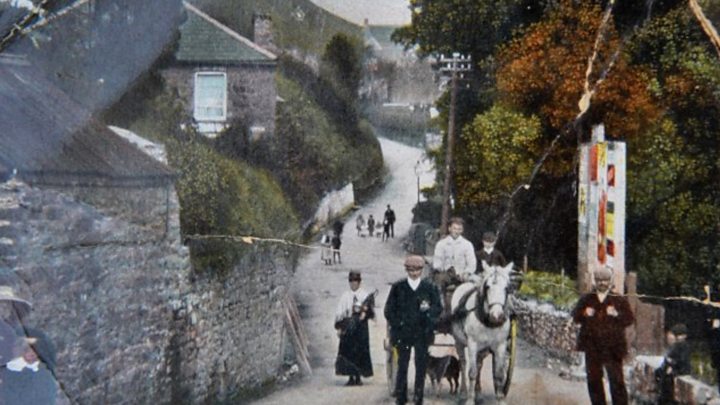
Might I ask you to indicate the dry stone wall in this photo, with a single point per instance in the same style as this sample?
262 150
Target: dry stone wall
131 322
549 328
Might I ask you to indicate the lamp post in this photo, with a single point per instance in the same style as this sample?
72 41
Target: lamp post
455 64
417 174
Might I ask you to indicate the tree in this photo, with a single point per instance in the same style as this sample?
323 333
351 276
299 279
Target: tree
500 152
674 201
342 66
466 26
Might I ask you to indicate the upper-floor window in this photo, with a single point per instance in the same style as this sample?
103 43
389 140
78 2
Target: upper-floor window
210 96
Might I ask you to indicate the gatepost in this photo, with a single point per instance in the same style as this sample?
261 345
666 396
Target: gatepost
601 210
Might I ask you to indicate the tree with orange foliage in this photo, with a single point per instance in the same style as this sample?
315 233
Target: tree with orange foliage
543 72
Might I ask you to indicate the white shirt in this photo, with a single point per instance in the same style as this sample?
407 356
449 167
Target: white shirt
19 364
349 299
458 253
414 284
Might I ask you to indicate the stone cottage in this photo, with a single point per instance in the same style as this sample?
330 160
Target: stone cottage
90 234
222 77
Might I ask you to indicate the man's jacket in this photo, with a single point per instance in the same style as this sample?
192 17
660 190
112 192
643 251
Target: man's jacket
412 315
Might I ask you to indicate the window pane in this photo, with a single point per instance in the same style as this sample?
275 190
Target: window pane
210 95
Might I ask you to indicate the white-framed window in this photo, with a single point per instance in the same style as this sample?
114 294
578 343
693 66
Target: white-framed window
210 96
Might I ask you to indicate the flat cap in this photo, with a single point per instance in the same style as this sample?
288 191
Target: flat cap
679 329
415 261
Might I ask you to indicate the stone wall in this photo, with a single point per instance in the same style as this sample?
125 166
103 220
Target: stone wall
549 328
252 93
688 390
334 204
131 321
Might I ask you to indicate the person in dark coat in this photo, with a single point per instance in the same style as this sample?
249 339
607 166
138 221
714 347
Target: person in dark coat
489 254
390 218
336 243
603 318
412 310
351 322
675 363
371 226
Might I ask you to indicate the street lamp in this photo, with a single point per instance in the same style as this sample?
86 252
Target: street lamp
454 64
417 174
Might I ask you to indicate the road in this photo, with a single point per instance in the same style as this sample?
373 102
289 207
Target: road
318 287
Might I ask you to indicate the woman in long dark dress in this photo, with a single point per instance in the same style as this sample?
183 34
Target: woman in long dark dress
351 322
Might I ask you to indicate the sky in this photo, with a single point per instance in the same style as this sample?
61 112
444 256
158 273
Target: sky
378 12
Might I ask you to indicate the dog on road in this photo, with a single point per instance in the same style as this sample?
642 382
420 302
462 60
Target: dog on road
443 367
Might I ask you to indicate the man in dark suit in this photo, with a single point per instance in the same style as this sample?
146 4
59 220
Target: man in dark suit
603 318
390 218
412 309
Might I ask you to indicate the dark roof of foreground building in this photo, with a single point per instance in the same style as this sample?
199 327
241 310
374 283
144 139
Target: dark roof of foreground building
47 138
205 40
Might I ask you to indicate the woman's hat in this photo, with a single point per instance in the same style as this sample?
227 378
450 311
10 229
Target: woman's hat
8 294
679 329
354 276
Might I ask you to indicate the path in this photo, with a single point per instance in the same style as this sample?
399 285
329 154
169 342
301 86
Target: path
318 287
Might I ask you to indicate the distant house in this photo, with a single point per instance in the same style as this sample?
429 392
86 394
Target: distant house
223 77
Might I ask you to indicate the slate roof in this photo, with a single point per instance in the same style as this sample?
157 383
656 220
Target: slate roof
49 139
205 40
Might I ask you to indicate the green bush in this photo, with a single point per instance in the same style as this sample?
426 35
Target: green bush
549 288
322 155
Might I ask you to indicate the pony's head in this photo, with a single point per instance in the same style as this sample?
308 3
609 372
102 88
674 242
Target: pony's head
495 291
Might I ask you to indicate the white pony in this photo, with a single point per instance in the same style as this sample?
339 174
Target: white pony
486 326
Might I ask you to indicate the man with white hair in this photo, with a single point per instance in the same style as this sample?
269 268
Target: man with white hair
603 317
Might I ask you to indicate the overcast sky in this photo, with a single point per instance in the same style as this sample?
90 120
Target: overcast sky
378 12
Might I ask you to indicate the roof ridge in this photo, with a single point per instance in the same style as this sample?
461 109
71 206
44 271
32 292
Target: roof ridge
229 31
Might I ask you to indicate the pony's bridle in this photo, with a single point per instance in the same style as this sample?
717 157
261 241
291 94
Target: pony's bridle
483 308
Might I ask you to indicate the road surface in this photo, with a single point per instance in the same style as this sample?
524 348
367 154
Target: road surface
318 287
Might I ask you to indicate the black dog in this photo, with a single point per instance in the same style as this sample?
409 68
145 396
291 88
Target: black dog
439 367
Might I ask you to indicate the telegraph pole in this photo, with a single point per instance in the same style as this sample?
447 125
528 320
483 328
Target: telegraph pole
455 64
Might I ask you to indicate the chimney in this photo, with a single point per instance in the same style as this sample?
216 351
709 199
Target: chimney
262 32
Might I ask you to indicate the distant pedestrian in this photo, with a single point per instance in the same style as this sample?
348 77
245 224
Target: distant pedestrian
336 243
386 230
351 322
603 318
371 225
675 363
359 223
489 254
326 254
390 218
412 309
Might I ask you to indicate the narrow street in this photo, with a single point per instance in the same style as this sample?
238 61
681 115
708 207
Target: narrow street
318 287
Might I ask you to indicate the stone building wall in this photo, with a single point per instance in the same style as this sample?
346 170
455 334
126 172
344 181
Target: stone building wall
252 93
130 319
